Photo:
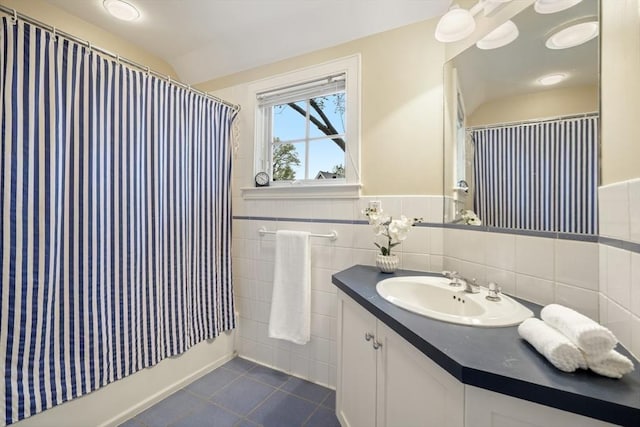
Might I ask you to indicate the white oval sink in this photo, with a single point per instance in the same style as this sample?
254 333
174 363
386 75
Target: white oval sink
431 296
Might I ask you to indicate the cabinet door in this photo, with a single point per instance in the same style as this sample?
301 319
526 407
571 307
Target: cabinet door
412 389
486 408
356 388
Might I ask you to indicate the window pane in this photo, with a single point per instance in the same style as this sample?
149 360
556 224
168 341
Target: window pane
326 160
289 122
330 112
288 161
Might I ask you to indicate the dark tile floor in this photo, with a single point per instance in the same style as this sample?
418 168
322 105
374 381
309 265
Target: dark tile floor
244 394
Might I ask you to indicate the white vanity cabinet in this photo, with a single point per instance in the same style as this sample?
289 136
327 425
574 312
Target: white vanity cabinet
384 381
484 408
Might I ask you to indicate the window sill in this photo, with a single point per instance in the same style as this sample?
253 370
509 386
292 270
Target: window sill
334 191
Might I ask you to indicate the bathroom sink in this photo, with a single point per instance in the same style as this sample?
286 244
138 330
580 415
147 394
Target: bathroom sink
431 296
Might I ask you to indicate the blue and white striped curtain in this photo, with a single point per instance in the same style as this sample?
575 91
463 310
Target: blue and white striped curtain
538 176
115 226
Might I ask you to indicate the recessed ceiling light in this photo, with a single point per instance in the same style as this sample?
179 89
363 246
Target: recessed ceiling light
552 79
573 36
553 6
121 10
501 36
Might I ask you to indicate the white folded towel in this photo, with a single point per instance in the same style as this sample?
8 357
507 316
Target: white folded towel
613 364
591 337
557 348
290 317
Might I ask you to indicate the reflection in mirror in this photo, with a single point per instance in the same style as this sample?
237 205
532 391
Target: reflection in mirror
521 153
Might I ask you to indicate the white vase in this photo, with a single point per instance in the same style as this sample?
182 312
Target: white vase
387 263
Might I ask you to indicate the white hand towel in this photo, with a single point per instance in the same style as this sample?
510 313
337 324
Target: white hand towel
290 317
591 337
557 348
613 364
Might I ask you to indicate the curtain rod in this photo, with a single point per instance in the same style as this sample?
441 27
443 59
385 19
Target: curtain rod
15 15
532 121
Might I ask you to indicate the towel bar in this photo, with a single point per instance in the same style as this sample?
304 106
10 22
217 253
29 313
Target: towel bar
331 236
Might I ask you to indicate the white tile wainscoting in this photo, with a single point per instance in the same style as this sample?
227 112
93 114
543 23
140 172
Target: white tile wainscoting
539 269
598 279
619 210
253 257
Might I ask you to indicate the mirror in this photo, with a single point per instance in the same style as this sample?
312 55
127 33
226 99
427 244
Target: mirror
519 154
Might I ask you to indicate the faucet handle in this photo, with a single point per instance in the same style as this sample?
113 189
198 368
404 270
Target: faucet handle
494 290
454 276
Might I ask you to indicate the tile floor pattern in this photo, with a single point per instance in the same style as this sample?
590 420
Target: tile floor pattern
243 394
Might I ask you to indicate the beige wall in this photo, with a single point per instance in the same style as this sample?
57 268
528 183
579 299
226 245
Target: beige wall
54 16
620 85
401 113
538 105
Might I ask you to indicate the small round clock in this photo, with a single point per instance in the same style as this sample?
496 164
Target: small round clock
262 179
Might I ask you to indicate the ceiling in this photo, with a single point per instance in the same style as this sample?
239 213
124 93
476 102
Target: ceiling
205 39
485 75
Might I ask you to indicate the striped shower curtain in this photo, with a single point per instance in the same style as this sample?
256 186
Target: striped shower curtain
539 176
115 226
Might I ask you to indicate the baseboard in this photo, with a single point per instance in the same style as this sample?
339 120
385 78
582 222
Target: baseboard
121 400
286 372
164 393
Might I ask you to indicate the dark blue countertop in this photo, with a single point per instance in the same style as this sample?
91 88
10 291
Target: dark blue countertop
497 359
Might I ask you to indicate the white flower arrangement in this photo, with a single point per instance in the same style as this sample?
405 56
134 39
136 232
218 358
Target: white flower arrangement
469 217
393 230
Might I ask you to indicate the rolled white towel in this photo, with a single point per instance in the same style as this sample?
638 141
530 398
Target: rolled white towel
591 337
557 348
613 364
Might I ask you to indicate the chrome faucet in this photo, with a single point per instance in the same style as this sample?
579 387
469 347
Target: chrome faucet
470 285
494 292
454 276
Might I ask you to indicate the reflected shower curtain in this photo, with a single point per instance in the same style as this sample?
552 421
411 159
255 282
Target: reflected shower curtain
539 176
115 226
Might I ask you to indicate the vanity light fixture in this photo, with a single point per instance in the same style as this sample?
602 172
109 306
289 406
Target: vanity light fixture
121 10
552 79
459 23
553 6
455 25
501 36
573 36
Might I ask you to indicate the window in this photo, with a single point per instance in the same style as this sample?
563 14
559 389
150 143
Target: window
307 126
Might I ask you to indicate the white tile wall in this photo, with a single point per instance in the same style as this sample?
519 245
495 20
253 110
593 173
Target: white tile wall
601 281
619 205
500 251
635 284
535 289
577 263
253 258
618 277
634 209
535 256
541 270
613 211
582 300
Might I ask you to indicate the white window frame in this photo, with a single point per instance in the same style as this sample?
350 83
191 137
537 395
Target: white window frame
349 187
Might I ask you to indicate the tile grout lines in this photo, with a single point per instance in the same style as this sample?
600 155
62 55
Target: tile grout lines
242 373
